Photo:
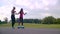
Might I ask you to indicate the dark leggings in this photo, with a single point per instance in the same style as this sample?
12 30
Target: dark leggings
13 24
20 21
13 20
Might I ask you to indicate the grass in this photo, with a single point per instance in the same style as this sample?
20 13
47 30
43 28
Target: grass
29 25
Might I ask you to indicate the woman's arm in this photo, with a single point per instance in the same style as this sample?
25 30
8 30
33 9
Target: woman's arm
25 13
16 13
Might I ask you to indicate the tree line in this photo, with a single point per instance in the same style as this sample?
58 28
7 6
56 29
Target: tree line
46 20
36 21
5 21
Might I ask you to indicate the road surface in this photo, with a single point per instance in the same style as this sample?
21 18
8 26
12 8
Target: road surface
7 30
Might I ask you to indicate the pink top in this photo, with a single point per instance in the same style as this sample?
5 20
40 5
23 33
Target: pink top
21 14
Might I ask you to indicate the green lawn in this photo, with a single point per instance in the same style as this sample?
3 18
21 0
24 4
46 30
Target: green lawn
28 25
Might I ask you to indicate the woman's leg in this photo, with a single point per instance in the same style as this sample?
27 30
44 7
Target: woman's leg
19 22
13 20
22 21
13 24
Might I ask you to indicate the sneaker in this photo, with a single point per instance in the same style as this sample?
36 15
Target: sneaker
19 27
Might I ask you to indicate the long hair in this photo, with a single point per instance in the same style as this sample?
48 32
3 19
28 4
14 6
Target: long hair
21 10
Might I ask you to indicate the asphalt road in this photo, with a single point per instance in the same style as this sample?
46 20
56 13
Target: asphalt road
29 31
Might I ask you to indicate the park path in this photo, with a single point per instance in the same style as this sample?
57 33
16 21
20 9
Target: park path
29 31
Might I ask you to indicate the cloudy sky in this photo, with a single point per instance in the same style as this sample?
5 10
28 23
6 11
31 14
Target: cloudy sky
36 9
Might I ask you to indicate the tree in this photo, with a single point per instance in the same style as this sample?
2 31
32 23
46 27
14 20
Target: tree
0 21
58 21
6 19
48 20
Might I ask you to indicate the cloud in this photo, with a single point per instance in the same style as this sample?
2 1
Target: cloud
36 4
37 8
5 11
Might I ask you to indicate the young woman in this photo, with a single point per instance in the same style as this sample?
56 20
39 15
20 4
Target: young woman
21 17
13 16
